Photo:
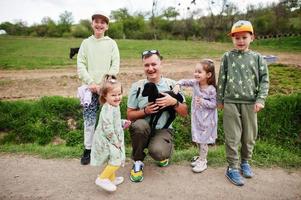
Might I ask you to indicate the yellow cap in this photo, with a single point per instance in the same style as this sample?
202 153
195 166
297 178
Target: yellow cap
241 26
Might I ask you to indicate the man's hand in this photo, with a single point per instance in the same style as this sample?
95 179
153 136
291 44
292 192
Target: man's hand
151 108
94 88
258 107
165 101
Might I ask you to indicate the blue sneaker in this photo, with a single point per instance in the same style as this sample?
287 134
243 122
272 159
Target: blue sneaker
246 170
234 176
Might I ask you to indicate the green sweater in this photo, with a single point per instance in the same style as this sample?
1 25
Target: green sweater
97 57
243 78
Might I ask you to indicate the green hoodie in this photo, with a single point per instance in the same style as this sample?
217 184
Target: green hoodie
97 57
243 78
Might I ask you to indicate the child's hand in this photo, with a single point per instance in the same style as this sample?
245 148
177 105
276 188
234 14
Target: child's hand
126 124
198 101
220 106
118 145
176 89
258 107
94 88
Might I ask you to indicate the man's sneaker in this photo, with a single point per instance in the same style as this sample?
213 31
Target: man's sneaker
163 163
105 184
200 166
246 170
85 160
194 161
234 176
137 171
118 180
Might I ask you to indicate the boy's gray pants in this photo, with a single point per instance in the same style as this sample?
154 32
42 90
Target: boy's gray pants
159 146
240 127
90 117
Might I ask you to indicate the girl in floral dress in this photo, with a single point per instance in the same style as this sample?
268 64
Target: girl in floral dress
203 110
108 141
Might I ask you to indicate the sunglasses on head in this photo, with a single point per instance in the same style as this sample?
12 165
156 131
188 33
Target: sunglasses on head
150 52
208 60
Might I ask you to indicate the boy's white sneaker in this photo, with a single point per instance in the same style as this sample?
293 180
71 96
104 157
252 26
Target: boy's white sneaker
106 184
200 166
118 180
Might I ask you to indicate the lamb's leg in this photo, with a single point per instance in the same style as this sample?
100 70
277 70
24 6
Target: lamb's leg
151 124
156 119
171 118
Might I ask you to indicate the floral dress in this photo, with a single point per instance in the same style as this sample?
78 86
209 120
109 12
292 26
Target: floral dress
108 136
204 116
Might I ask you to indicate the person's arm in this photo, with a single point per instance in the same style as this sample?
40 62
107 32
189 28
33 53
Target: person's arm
211 101
133 110
115 62
183 82
263 81
82 65
167 100
134 114
222 79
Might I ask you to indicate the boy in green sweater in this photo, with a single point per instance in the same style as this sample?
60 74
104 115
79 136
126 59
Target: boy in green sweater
98 55
243 86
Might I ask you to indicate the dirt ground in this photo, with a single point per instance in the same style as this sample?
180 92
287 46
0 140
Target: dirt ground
32 84
29 178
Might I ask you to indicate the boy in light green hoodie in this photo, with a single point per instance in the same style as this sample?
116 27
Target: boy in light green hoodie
98 55
243 86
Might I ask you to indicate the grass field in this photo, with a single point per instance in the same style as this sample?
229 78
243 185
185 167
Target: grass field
33 52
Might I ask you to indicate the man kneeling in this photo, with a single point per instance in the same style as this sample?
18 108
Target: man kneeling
139 110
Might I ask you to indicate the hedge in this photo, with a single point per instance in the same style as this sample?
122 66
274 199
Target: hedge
57 118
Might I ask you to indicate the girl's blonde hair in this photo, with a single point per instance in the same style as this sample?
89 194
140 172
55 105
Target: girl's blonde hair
208 66
108 84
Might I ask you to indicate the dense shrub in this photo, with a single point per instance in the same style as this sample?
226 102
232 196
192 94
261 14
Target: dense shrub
38 121
43 120
280 121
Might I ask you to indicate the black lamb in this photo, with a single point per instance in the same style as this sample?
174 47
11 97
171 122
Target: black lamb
151 90
73 51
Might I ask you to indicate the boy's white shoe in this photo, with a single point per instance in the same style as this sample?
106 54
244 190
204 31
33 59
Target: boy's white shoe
106 184
118 180
200 166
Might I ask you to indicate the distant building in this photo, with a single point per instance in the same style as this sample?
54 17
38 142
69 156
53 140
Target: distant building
2 32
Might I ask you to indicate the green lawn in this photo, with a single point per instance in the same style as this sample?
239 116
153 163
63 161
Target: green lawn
33 52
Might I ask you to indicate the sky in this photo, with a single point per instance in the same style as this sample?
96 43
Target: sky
33 11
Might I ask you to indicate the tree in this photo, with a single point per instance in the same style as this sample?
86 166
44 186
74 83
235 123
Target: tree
65 22
170 12
120 14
